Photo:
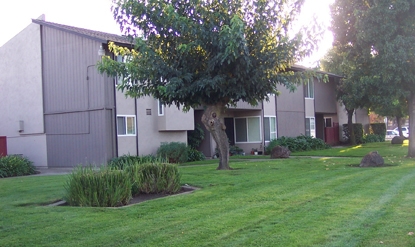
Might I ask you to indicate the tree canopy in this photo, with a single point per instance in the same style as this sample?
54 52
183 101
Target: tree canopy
209 53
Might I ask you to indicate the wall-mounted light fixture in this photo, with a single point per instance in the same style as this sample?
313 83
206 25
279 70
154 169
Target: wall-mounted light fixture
21 126
101 51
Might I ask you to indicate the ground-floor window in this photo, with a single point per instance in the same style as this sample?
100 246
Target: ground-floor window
310 127
248 129
328 122
270 128
126 125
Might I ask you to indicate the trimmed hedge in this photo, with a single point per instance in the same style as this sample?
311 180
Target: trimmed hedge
373 138
358 132
296 144
173 152
16 165
377 129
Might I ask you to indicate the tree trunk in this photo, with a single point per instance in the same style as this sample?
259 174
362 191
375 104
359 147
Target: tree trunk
350 126
411 137
398 121
213 120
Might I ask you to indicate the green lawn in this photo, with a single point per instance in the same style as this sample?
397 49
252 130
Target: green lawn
299 201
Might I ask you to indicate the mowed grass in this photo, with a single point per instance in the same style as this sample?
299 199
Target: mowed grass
386 149
299 201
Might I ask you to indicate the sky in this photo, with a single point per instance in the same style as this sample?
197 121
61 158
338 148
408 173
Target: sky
96 15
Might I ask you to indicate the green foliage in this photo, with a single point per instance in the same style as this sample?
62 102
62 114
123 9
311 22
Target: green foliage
235 150
154 178
15 165
128 160
296 144
195 137
194 155
195 52
90 187
373 138
358 132
377 129
174 152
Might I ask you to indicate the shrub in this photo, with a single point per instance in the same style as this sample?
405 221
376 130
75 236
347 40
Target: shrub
235 150
194 155
377 129
358 132
153 178
299 143
373 138
15 165
196 136
173 152
128 160
105 187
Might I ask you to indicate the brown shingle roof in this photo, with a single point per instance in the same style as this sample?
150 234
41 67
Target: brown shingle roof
96 35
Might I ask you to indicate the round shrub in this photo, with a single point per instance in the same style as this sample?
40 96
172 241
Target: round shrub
16 165
154 178
173 152
194 155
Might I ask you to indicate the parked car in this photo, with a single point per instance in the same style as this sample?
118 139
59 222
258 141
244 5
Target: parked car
390 134
405 131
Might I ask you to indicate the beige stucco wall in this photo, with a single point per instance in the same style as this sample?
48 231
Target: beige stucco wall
21 95
152 130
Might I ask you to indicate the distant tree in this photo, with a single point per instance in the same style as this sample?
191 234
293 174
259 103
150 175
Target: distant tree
387 28
210 53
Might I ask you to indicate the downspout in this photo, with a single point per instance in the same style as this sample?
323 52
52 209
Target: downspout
263 129
276 116
136 125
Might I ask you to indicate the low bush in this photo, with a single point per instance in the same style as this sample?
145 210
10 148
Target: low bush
173 152
105 187
235 150
373 138
194 155
15 165
154 178
296 144
128 160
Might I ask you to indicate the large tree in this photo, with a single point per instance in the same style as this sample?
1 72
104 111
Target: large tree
210 53
347 58
387 28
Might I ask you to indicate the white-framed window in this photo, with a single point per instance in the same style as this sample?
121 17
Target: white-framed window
270 128
122 59
126 126
160 108
328 122
248 129
309 89
310 127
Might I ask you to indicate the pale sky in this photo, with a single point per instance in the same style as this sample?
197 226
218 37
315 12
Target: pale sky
96 15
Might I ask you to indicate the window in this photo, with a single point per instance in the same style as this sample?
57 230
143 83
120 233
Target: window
248 129
122 59
160 107
309 89
327 122
310 127
125 125
270 128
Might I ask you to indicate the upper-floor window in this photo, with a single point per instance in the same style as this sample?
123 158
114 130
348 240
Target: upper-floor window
309 89
248 129
126 126
270 128
160 107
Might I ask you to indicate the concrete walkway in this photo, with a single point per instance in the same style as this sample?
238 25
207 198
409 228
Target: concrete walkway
45 171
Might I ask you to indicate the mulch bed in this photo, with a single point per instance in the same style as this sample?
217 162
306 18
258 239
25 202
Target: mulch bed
141 197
